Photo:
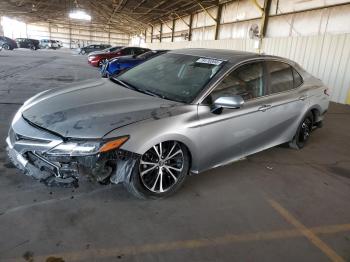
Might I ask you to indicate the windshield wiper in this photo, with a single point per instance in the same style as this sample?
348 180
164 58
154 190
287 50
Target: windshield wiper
145 91
151 93
127 85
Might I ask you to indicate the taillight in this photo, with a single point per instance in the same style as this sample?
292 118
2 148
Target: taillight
326 92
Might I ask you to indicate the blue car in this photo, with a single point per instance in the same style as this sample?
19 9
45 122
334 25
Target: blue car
117 65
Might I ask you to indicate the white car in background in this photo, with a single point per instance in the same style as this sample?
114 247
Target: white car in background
46 43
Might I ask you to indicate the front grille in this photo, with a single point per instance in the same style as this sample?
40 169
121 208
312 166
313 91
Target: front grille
43 164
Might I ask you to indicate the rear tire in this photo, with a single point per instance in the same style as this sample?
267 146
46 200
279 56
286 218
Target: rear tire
160 175
303 132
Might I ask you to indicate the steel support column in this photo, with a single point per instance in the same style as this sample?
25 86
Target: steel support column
190 28
218 21
151 34
173 31
265 17
160 32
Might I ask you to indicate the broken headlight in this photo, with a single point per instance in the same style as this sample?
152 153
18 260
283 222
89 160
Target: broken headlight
85 148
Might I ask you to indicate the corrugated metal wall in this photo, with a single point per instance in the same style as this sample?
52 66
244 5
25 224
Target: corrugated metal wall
325 56
316 36
74 34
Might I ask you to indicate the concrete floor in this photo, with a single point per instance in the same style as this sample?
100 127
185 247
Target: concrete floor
278 205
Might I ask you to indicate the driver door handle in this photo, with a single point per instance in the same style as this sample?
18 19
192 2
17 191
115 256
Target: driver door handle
264 108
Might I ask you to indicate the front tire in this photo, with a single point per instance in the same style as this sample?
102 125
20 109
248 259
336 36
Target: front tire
101 62
303 132
160 171
6 47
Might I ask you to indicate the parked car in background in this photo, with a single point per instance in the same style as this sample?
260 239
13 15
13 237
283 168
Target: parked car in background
98 58
49 44
117 65
188 110
59 43
7 43
107 50
91 48
32 44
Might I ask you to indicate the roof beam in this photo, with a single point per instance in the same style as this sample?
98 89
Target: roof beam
205 10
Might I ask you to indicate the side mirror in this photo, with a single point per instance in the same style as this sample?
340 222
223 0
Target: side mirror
231 102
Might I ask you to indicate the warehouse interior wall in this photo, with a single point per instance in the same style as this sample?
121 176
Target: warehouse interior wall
315 34
72 35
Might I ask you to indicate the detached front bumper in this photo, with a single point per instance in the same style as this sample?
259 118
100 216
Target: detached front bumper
27 148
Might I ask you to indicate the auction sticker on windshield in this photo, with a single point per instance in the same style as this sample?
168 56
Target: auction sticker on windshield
209 61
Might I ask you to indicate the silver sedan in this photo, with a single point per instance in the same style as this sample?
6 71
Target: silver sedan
183 112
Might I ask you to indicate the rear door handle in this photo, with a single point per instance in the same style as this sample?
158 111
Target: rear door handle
302 98
264 108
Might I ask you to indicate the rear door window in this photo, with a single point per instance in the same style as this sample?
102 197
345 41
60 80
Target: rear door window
298 80
281 77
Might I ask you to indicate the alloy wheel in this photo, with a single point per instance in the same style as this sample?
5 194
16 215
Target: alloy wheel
305 130
102 62
161 166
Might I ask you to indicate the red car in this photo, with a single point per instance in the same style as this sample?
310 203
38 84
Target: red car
98 58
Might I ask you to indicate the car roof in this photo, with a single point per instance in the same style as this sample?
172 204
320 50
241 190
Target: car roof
232 56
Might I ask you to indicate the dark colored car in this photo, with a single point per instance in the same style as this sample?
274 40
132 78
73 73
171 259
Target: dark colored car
28 43
120 64
7 43
99 58
91 48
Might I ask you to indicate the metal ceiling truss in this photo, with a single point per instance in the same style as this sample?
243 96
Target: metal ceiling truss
128 16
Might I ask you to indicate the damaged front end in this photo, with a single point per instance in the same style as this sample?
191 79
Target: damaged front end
55 162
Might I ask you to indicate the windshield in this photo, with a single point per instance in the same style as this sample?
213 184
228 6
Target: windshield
175 77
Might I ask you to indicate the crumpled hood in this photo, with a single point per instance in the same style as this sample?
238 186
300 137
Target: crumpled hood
93 110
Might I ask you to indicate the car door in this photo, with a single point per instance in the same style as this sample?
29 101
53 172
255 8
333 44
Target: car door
232 133
287 101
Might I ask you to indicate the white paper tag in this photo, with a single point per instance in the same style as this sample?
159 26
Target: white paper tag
209 61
